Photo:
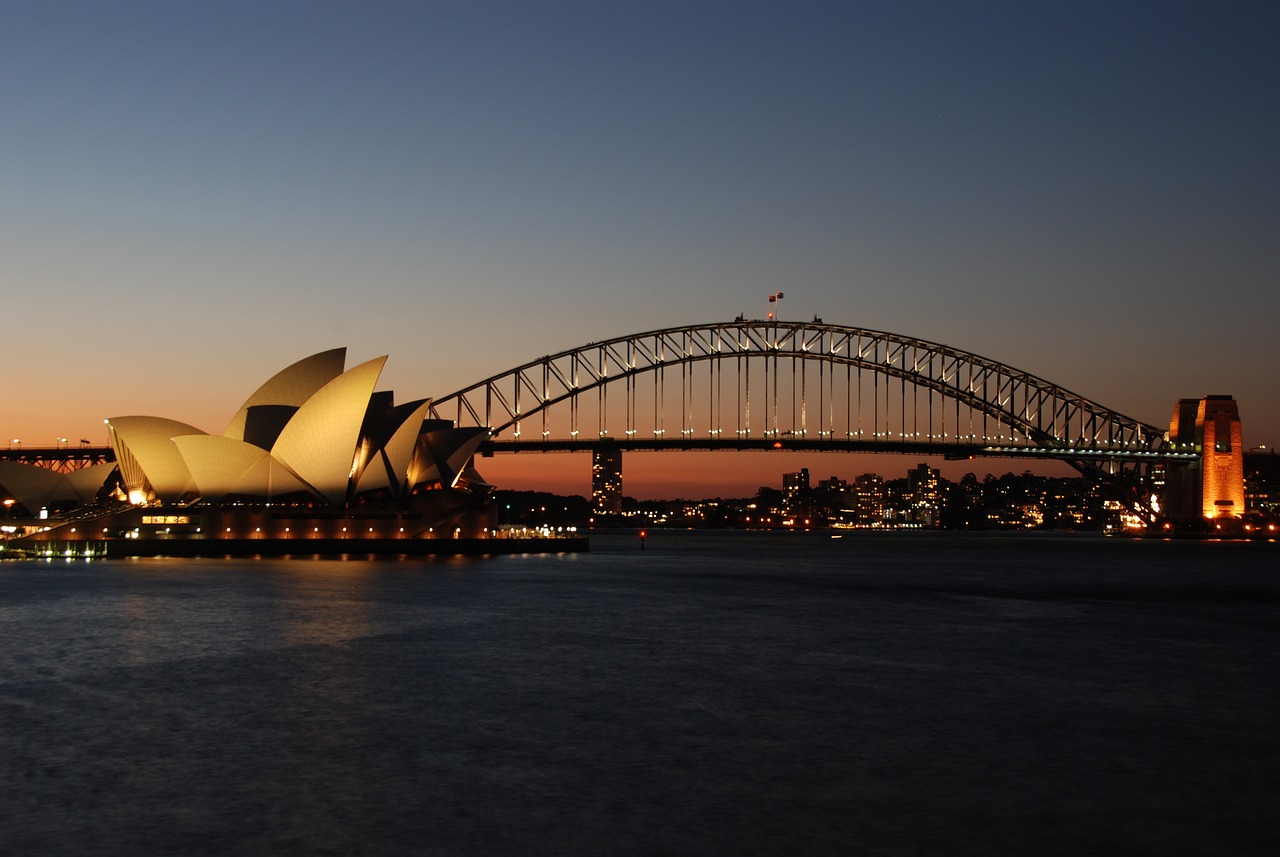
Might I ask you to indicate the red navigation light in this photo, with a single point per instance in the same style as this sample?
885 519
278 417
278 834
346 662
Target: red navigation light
777 444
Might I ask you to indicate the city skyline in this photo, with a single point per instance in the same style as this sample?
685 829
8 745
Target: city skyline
1085 191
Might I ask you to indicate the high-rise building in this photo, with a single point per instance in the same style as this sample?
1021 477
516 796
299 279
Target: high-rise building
606 481
795 489
870 499
1262 481
926 496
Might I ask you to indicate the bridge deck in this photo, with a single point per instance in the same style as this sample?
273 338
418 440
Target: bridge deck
946 449
677 442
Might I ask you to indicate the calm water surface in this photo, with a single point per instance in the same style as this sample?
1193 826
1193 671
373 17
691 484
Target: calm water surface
725 693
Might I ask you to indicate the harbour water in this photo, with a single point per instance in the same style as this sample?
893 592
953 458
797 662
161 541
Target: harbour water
715 693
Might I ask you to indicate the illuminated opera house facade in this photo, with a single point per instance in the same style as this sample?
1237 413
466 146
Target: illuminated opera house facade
314 453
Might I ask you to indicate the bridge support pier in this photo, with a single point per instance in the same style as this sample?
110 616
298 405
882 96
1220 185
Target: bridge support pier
1211 488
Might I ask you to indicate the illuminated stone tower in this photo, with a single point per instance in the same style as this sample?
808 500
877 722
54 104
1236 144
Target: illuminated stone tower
1221 457
1212 487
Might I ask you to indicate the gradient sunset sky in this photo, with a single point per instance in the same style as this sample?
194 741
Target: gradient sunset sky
195 194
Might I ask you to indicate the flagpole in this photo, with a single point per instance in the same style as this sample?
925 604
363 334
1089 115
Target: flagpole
775 298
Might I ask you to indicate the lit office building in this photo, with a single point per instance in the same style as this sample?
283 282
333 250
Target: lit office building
869 490
606 481
926 496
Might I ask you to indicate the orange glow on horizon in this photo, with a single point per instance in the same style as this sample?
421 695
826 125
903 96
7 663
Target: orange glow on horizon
699 475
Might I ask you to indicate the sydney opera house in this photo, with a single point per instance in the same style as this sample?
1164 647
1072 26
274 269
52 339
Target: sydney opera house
314 453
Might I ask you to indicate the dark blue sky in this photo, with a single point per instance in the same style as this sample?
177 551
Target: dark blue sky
1087 191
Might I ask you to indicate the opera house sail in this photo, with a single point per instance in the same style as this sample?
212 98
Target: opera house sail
315 452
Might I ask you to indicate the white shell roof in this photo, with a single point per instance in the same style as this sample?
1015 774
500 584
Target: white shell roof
318 449
86 481
147 457
443 454
399 454
292 385
34 486
319 442
223 465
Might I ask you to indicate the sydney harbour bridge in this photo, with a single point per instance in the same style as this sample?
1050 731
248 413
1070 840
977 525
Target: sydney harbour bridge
786 385
767 384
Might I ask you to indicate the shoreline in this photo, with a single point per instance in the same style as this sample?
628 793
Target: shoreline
206 548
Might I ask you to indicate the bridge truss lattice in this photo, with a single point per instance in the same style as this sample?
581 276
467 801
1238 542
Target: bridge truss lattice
800 385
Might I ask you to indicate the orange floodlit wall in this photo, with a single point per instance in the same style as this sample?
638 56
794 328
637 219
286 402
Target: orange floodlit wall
1222 457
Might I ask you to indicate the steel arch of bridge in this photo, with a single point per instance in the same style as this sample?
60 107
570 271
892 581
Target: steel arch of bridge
970 403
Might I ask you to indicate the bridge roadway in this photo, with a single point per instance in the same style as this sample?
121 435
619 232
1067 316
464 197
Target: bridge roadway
946 449
62 458
84 456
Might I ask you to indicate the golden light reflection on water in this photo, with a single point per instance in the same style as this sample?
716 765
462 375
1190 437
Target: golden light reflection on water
231 605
